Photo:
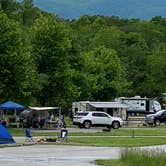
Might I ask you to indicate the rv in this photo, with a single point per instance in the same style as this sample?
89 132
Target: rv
139 106
115 109
122 107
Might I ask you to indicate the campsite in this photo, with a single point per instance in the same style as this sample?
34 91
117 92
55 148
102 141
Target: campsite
15 115
84 91
75 149
79 147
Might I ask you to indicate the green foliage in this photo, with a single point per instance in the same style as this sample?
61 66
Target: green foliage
50 49
28 13
46 60
10 7
109 37
16 65
103 70
156 70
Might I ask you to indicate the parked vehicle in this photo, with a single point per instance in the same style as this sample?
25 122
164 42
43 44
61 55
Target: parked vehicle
138 105
96 118
157 118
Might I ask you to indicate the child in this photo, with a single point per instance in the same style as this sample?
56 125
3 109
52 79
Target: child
28 137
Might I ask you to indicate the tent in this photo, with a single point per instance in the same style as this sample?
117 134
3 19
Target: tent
5 136
14 107
10 105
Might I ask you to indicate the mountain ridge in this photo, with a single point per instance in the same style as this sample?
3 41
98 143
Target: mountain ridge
72 9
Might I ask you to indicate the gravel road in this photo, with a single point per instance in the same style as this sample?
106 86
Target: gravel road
59 155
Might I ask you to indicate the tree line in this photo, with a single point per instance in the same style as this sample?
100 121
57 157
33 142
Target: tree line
48 61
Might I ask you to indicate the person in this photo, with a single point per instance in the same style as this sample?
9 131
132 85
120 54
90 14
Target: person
41 122
52 118
28 137
59 122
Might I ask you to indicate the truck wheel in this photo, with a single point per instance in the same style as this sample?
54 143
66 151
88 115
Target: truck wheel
157 122
115 125
87 124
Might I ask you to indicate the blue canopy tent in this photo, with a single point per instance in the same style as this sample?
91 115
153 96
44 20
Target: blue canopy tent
10 105
5 136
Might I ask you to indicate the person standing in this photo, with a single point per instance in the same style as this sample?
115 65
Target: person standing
28 137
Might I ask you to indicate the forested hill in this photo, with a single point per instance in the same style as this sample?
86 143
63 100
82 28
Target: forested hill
48 61
142 9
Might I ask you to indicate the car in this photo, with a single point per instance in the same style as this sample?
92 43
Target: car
157 118
96 118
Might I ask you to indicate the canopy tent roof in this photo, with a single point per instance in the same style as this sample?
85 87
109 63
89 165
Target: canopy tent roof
44 108
10 105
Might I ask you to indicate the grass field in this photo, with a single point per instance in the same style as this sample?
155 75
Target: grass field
123 137
130 132
136 158
118 141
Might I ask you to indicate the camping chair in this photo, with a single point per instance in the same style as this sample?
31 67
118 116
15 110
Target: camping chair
63 135
13 123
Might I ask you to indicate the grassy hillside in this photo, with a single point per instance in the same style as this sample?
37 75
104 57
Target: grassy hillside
142 9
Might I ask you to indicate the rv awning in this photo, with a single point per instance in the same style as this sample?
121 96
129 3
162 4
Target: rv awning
43 108
107 105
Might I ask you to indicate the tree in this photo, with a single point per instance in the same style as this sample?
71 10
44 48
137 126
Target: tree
10 7
109 37
134 54
28 13
51 46
86 28
151 33
16 66
156 69
104 74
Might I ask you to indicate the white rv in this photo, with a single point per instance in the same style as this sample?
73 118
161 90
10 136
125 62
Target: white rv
140 105
115 109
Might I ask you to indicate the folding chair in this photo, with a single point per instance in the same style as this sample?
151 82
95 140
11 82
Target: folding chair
63 135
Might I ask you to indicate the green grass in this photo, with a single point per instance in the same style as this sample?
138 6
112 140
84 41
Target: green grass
109 162
137 158
21 132
141 137
117 142
119 132
128 132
